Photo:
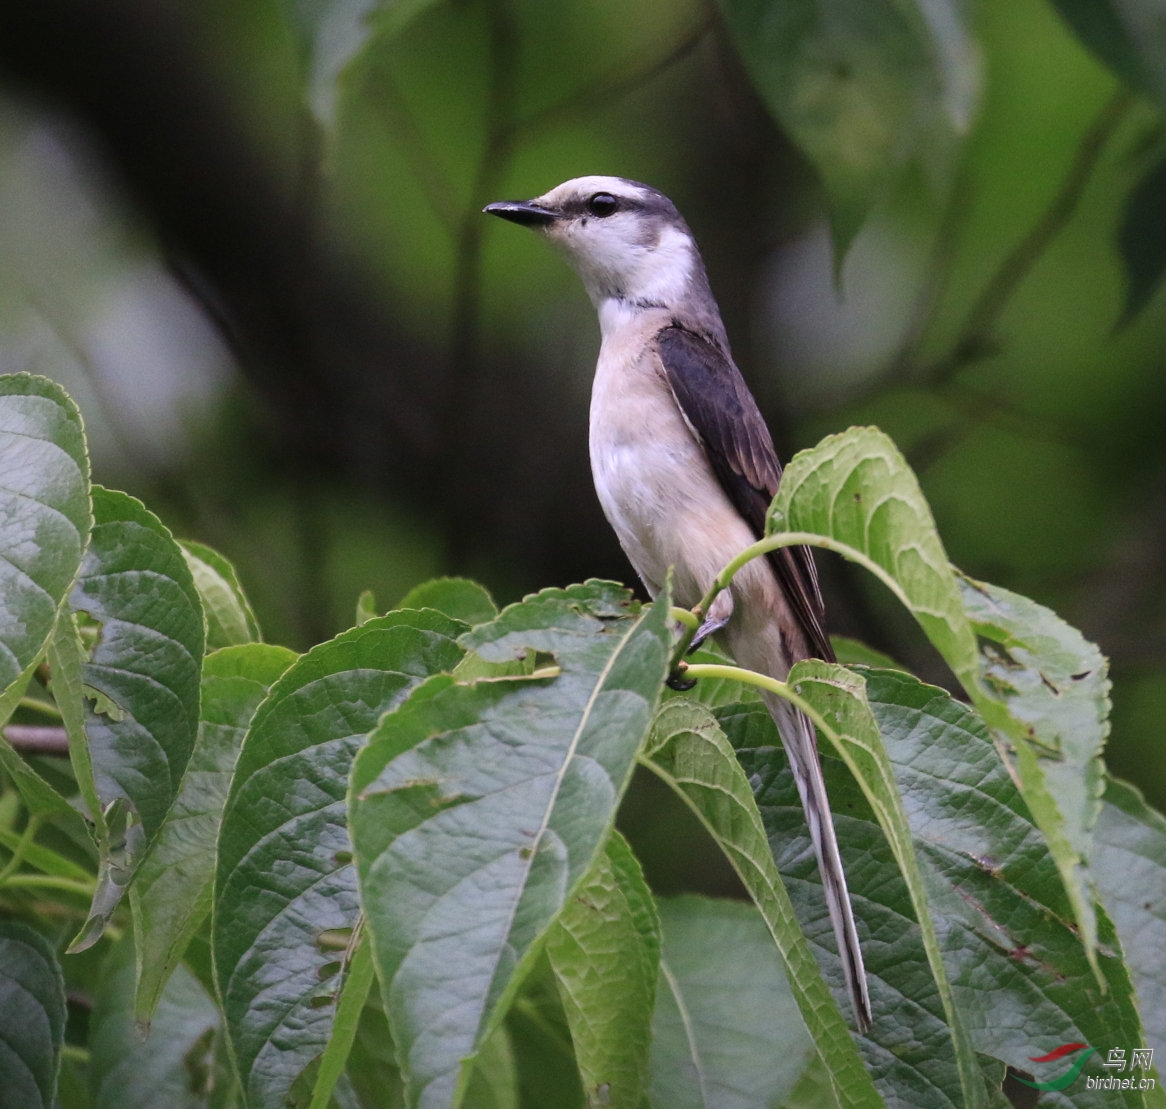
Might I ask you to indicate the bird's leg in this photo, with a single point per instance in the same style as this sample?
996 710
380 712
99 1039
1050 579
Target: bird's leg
718 616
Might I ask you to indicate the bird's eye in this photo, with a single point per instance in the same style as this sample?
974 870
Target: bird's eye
602 204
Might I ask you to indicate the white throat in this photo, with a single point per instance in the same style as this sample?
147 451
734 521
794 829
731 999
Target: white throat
649 280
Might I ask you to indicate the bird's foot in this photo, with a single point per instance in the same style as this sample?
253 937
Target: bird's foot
711 626
676 680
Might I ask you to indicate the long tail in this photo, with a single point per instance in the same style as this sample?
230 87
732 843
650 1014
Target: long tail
801 746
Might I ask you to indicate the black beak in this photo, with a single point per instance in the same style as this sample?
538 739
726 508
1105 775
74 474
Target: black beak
521 211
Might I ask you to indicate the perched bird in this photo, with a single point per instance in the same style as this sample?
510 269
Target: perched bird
685 467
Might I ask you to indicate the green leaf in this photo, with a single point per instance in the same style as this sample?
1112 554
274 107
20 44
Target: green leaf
1129 36
142 682
176 1066
1019 973
1054 685
285 889
689 751
171 894
839 697
44 506
863 89
726 1033
856 488
229 618
604 950
1130 864
857 491
32 1016
44 527
457 597
478 807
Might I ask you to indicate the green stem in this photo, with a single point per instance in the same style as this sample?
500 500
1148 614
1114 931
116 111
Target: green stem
761 681
35 704
682 616
22 846
50 881
765 546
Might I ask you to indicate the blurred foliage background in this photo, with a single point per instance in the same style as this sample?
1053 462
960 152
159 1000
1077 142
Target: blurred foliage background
247 237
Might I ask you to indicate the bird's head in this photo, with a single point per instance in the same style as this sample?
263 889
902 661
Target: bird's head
626 240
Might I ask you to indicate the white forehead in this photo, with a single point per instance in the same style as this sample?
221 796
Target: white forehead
589 186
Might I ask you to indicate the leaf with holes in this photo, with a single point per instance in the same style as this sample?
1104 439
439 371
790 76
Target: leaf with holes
1045 688
477 808
1015 962
857 491
285 890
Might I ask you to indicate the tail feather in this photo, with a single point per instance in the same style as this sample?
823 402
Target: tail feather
801 745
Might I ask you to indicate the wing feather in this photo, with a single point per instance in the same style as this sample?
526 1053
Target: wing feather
717 405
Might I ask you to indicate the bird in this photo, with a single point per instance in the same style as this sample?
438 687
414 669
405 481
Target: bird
685 467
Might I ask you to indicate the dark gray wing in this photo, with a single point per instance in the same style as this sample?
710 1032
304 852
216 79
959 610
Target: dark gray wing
717 405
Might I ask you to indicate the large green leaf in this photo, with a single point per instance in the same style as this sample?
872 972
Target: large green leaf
478 806
1054 685
44 506
44 527
863 89
839 697
726 1033
1130 866
285 889
141 684
856 489
171 894
32 1017
689 751
605 950
1019 973
176 1066
1014 658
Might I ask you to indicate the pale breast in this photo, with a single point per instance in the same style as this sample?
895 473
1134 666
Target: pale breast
652 477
